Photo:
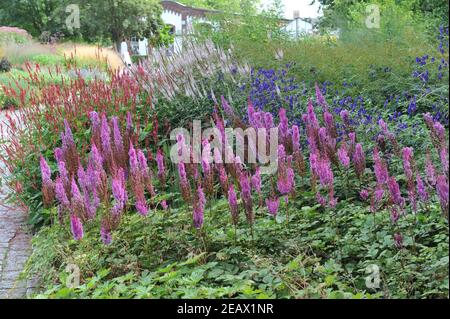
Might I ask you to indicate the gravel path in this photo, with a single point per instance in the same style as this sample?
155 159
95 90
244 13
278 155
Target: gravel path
15 247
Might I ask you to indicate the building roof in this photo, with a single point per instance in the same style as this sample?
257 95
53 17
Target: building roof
182 9
186 10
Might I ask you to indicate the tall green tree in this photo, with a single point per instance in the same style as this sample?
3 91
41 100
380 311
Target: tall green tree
35 16
121 19
99 19
336 13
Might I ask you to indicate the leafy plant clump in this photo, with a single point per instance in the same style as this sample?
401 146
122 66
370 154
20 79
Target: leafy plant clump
5 65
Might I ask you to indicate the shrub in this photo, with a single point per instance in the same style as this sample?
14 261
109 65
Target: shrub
5 65
14 35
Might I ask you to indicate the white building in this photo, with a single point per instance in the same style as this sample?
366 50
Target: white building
181 18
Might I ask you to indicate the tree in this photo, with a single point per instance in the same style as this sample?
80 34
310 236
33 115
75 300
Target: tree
121 19
35 16
336 13
231 6
115 20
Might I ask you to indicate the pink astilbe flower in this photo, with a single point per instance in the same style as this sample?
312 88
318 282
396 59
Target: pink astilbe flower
118 186
118 147
395 215
59 156
407 153
96 158
137 182
398 240
77 203
146 173
443 193
96 128
233 203
312 126
134 163
359 160
141 207
105 234
381 172
428 120
421 189
164 205
199 208
60 193
343 156
285 183
327 144
86 189
161 168
76 227
364 194
320 98
283 127
226 107
321 200
220 167
377 198
268 120
246 195
48 187
256 180
324 172
64 174
184 183
208 179
394 190
69 150
440 132
273 205
105 135
251 113
206 154
129 122
295 139
345 116
329 124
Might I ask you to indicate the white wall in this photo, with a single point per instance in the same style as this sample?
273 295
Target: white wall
303 27
172 18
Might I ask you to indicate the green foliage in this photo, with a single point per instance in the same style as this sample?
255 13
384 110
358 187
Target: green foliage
35 16
101 19
249 29
319 254
232 6
12 37
5 65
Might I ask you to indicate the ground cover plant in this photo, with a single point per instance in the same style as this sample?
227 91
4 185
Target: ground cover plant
357 206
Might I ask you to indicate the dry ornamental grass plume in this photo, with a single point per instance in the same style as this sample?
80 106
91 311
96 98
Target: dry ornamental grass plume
171 73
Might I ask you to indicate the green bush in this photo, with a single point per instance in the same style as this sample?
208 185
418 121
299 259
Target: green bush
161 257
5 65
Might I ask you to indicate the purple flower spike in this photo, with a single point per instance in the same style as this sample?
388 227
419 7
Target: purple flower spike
76 227
272 205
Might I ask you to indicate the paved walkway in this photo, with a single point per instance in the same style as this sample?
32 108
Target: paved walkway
15 247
